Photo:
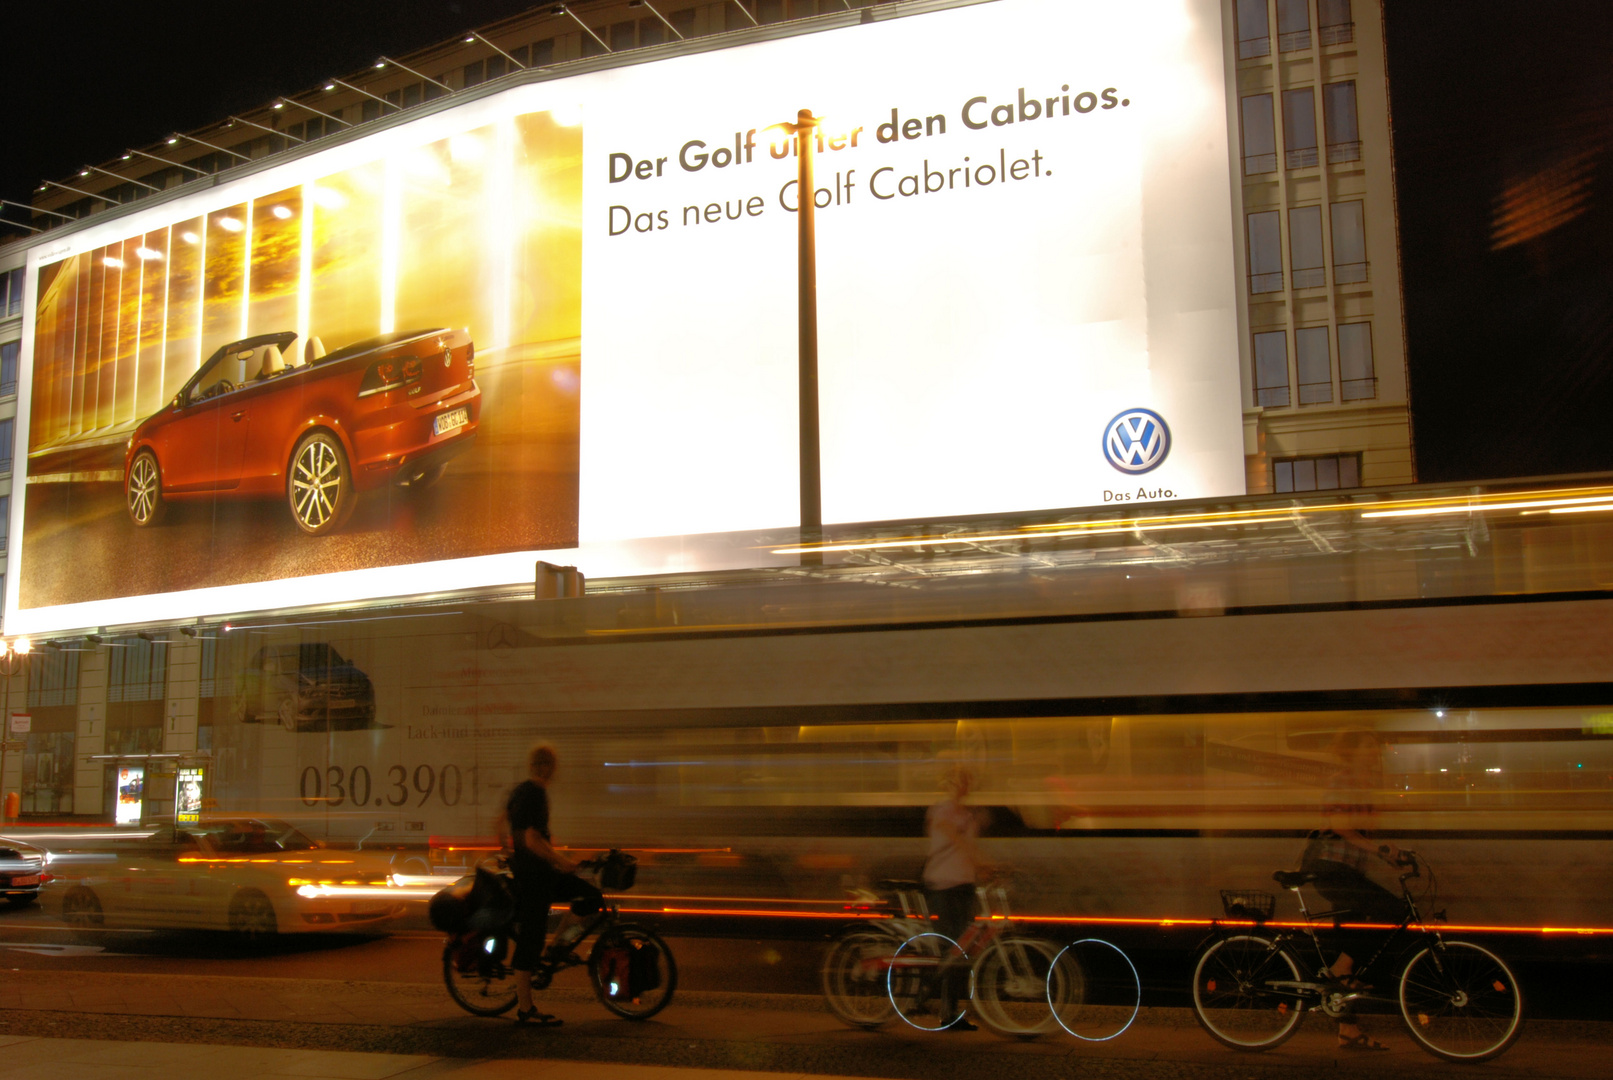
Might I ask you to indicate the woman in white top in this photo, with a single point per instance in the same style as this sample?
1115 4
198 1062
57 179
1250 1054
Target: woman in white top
949 876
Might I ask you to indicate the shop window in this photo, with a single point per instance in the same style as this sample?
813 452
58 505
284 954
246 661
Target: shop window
1299 127
1326 473
1343 132
1314 364
1357 380
1334 25
1259 135
1349 243
1254 29
1293 25
9 352
1265 252
47 773
1271 369
1305 247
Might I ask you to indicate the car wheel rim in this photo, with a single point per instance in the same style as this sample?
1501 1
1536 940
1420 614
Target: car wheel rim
143 490
315 484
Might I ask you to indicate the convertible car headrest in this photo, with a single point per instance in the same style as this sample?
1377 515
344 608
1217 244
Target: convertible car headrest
273 362
313 350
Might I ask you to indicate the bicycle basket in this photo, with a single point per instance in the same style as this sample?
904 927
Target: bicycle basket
1248 904
619 871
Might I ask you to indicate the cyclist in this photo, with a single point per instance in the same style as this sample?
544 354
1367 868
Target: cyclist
542 876
1338 855
949 876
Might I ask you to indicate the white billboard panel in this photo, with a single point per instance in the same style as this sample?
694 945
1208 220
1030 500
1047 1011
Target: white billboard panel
560 321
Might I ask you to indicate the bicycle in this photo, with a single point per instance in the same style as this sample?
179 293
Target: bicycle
854 969
630 967
902 961
1459 1001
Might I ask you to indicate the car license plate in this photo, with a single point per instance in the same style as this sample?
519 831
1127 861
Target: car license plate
25 879
451 421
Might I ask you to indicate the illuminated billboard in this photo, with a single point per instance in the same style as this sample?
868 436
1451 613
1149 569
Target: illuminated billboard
561 319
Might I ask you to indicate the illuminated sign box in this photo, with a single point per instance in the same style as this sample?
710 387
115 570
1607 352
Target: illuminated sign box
560 321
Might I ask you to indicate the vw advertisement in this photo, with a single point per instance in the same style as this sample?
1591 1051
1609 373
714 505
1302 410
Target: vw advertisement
560 321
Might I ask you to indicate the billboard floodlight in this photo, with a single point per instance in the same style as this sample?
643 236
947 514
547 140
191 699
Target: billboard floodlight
473 37
385 60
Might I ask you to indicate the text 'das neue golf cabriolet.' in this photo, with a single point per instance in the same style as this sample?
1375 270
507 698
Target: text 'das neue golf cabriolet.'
261 419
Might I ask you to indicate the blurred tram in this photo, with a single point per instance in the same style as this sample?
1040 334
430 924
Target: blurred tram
1148 698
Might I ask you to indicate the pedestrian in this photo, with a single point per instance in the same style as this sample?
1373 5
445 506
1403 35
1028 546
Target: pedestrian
949 879
542 876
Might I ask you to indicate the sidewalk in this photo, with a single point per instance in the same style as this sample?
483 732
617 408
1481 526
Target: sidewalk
107 1026
26 1058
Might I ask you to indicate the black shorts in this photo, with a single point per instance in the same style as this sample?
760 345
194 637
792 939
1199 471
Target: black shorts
534 895
1358 897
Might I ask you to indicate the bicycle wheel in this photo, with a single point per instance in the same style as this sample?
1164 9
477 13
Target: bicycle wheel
632 971
478 975
920 975
1233 997
1461 1002
1011 987
1094 990
854 978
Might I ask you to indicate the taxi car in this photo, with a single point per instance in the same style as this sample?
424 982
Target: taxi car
252 876
22 873
263 419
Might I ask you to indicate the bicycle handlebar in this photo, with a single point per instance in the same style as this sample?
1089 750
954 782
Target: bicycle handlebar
1405 859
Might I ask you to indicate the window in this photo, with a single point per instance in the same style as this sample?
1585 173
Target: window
542 53
621 36
1333 18
1356 379
1299 127
1259 136
1293 25
1305 247
1271 369
7 429
591 47
137 670
683 21
1343 134
1254 30
52 677
770 11
651 32
1315 365
369 110
1326 473
1265 253
1349 243
5 529
8 367
11 292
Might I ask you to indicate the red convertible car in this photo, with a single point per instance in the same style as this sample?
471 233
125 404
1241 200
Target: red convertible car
262 420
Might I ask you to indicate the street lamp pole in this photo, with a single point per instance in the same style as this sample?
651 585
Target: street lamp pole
807 341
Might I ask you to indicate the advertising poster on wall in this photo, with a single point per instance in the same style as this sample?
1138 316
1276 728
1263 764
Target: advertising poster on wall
561 318
131 780
189 783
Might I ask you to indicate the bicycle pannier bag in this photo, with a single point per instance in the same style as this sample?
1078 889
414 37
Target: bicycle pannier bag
615 972
644 967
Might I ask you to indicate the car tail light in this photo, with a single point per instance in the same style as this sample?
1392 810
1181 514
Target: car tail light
389 374
470 360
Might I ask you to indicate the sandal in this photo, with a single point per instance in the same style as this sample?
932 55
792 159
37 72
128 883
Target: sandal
1360 1042
533 1018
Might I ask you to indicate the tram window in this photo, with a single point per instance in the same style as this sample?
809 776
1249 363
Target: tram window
1169 747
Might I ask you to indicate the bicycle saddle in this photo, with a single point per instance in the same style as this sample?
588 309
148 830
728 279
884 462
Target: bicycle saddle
1293 879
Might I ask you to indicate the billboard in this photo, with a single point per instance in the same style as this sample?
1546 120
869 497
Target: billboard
561 319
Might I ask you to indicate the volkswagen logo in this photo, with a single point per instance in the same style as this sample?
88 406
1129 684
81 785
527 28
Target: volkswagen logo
1136 441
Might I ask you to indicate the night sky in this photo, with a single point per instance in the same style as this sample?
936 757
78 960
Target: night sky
1503 124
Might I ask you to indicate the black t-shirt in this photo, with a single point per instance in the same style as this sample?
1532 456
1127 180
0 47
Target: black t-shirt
527 808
